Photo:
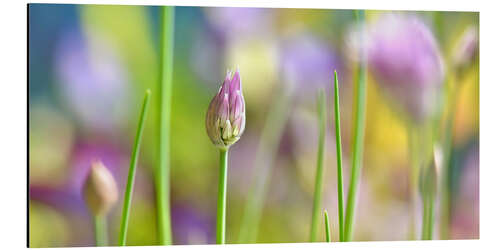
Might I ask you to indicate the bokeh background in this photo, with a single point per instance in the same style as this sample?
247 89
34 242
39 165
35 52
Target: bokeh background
89 66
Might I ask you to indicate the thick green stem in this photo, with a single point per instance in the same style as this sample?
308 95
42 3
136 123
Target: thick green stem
340 182
319 167
131 172
327 227
221 202
101 230
358 142
163 168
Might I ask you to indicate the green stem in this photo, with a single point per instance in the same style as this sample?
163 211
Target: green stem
340 182
221 202
268 146
319 167
428 218
131 172
163 168
425 218
357 152
447 148
427 175
431 217
428 198
413 178
327 227
101 230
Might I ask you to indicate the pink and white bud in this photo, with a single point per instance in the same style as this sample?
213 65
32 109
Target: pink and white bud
225 119
100 190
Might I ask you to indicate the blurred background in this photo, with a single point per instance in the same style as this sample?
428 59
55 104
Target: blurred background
89 66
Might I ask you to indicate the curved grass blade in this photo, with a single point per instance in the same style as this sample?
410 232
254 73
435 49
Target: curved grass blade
319 168
131 173
327 227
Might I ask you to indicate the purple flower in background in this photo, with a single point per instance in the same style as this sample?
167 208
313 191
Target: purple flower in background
225 120
404 57
92 80
242 21
206 56
60 198
308 62
190 226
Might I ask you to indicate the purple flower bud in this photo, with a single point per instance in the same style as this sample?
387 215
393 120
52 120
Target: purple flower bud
225 120
404 57
100 190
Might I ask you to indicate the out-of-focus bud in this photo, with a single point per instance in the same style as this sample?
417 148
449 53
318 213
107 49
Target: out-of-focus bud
100 190
405 59
438 159
225 119
466 49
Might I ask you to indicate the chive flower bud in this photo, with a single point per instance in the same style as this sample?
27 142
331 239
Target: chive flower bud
100 189
225 119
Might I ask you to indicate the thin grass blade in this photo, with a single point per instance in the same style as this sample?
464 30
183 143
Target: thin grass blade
327 227
319 168
127 201
340 182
